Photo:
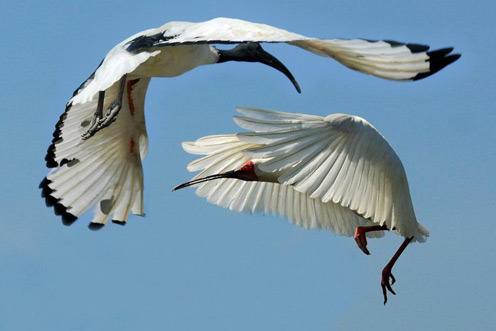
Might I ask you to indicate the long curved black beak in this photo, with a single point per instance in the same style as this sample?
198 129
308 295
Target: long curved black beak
228 174
253 52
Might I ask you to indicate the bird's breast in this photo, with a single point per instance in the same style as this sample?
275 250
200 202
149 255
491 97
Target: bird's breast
175 60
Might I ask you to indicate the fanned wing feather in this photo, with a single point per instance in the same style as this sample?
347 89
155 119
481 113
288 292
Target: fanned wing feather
104 171
340 158
226 152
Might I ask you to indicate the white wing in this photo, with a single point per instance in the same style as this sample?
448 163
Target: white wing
387 59
226 152
225 30
116 64
340 158
104 171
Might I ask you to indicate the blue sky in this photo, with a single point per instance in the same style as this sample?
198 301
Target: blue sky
189 265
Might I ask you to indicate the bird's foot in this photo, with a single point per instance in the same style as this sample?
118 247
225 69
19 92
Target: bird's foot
385 282
100 122
361 239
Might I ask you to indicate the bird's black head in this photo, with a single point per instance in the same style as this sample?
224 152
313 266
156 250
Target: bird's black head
253 52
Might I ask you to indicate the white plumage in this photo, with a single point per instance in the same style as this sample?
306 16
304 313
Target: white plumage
336 173
228 152
105 172
98 166
339 162
146 54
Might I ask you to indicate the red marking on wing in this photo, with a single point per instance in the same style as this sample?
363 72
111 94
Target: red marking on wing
131 145
130 85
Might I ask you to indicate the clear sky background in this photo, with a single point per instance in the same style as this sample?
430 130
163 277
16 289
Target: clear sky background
189 265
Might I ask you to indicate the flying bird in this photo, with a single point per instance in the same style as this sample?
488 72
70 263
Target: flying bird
336 173
101 139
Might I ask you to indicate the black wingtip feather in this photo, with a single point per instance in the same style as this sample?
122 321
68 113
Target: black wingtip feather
438 59
57 137
417 48
57 134
95 226
51 201
440 53
50 159
414 48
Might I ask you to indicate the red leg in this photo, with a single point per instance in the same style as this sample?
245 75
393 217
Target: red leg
386 272
360 237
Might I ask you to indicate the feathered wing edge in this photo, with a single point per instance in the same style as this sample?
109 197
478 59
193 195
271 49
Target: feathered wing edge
387 59
339 158
226 152
104 171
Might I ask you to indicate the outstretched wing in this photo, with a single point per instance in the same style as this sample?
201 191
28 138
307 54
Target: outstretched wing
387 59
226 152
104 171
340 158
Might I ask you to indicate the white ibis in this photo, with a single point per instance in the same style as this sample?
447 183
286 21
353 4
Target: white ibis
105 171
336 173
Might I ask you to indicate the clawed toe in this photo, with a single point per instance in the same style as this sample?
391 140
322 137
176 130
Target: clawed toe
386 285
361 239
98 123
101 120
387 276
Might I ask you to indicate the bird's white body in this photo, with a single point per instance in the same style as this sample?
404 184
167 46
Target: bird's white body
164 62
169 51
170 62
335 172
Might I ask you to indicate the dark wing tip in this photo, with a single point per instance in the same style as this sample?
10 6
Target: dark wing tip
57 134
57 138
51 201
119 222
440 53
438 59
95 226
50 155
50 160
414 48
417 48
